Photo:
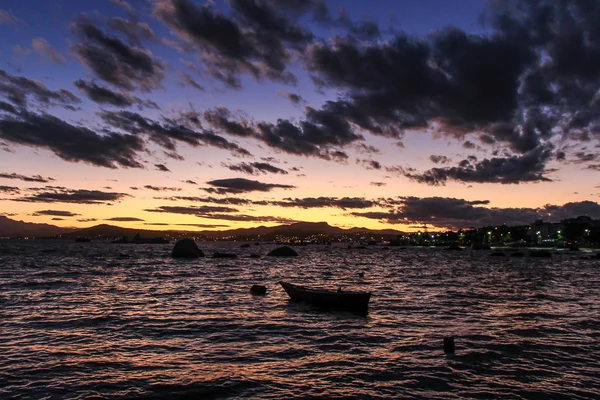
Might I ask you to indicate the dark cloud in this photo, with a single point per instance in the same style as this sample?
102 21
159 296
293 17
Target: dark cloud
256 37
314 136
237 201
322 133
106 96
582 157
241 185
189 81
162 168
57 219
378 184
247 218
87 220
79 196
191 210
33 178
171 131
367 149
593 167
57 213
103 95
124 219
320 202
9 189
162 188
439 159
71 143
135 31
293 97
459 213
255 168
190 182
221 118
19 90
115 62
529 167
369 164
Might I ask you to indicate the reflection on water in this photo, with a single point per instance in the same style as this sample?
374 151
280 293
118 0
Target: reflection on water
90 319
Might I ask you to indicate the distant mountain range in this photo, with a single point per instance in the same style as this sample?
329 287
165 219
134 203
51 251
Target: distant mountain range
12 228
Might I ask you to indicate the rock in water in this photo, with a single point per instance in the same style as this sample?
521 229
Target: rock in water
186 248
449 345
258 289
283 251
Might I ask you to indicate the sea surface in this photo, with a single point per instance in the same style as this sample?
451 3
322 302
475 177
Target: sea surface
98 320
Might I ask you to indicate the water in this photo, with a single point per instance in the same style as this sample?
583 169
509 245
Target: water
95 320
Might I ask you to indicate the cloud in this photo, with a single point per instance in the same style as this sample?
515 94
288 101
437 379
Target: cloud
439 159
57 219
320 202
162 168
9 189
115 62
102 95
19 90
87 220
529 167
369 164
191 210
7 19
255 38
378 184
135 31
321 134
124 219
43 48
190 182
57 213
189 81
247 218
459 213
106 96
221 118
293 97
255 168
33 178
238 201
72 143
78 196
241 185
124 5
186 129
162 188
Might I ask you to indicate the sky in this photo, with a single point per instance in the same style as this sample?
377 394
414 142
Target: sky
221 114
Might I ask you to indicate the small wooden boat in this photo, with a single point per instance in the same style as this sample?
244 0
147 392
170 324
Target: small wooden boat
339 300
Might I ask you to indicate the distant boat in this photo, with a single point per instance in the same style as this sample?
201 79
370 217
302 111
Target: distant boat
339 300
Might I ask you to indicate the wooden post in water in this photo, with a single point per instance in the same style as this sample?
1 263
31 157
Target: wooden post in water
449 345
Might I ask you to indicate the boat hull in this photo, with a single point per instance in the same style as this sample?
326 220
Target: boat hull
340 300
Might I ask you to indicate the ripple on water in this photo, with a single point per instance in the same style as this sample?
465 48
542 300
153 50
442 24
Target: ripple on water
102 320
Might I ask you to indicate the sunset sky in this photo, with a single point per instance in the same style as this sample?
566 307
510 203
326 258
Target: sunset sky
217 114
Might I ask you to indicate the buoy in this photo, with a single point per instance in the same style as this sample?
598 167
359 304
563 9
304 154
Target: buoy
448 345
258 289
